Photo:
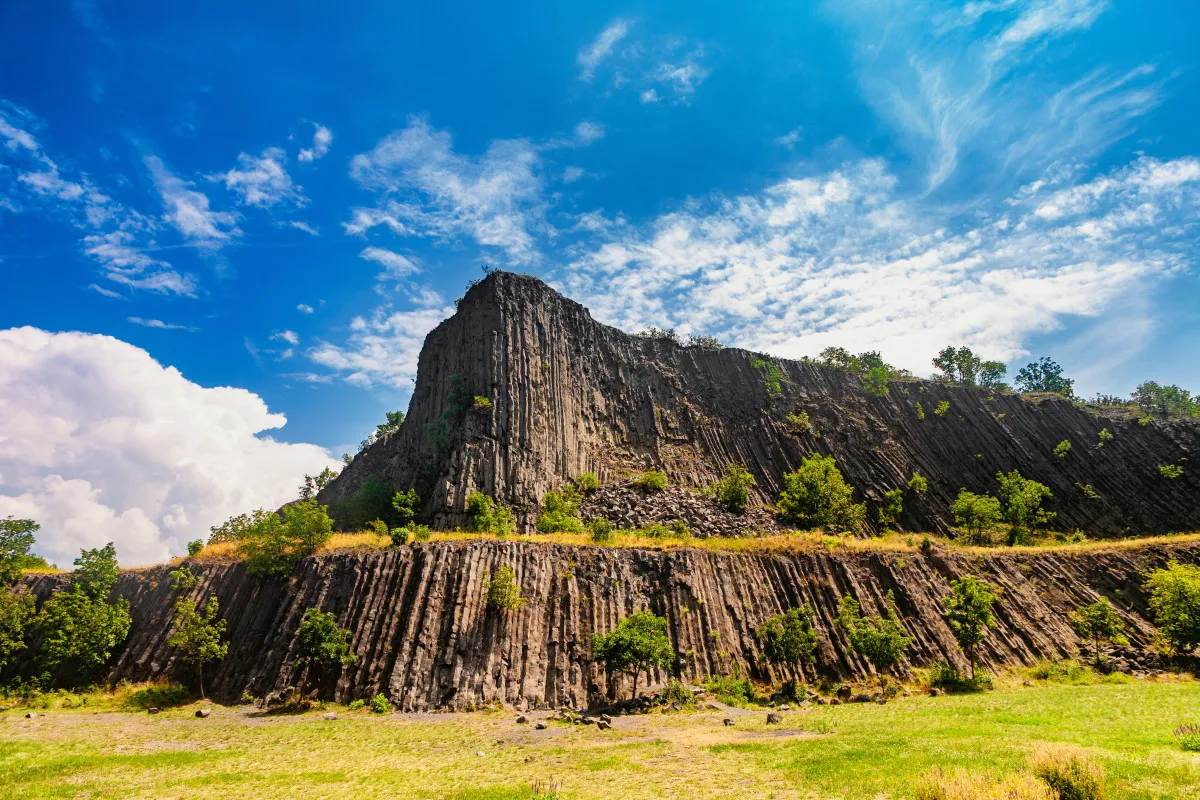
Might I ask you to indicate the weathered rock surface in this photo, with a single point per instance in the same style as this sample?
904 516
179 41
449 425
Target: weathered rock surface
570 395
425 637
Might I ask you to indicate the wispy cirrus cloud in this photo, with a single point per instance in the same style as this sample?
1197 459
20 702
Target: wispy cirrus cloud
657 67
188 211
262 180
590 57
322 139
158 323
382 349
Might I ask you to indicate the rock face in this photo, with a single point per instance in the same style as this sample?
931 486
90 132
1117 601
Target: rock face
569 395
425 637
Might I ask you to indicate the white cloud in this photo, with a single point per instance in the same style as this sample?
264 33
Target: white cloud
587 133
649 96
262 181
573 174
290 337
322 138
187 210
395 266
682 77
494 199
590 57
101 443
382 349
789 139
304 308
303 226
840 258
158 323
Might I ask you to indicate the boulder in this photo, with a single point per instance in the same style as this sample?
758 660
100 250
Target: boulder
203 713
774 719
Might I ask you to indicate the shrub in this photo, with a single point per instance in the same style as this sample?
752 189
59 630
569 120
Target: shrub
380 528
732 690
879 639
1104 436
893 507
399 536
680 529
587 483
943 408
1188 737
274 543
650 481
601 530
1175 603
503 591
357 705
235 528
195 547
372 500
16 538
1070 773
937 785
182 579
405 505
675 693
733 491
875 381
321 646
1062 448
799 423
1060 671
560 512
976 513
197 634
772 375
487 516
969 614
920 409
158 696
789 638
1170 471
638 644
17 612
1099 622
918 484
380 704
420 533
481 404
817 496
1023 500
655 530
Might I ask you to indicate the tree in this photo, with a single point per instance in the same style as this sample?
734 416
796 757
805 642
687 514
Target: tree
789 638
372 500
236 528
198 634
1165 401
893 507
195 548
560 512
1100 622
1175 603
17 611
503 591
405 505
312 485
1045 375
1023 500
274 544
638 644
80 628
321 646
879 639
977 513
875 380
485 515
733 491
16 538
969 614
392 422
817 496
964 367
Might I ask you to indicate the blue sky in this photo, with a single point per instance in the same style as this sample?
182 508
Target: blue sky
284 199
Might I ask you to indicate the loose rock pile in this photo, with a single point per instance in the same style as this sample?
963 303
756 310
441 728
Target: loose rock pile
626 507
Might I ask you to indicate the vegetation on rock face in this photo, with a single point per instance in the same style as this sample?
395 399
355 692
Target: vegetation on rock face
321 647
1023 500
880 639
197 634
789 639
917 484
1170 471
638 644
733 491
404 506
503 591
587 483
485 515
969 614
799 423
1175 604
817 496
560 512
275 542
1063 448
963 367
1100 622
977 514
893 507
650 481
772 375
312 484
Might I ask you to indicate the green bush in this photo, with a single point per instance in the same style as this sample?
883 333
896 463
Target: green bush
17 613
1069 772
875 380
879 639
195 547
158 696
380 528
357 705
789 639
650 481
321 646
560 512
1100 622
1023 500
420 533
946 677
481 403
799 423
733 491
503 591
587 483
817 496
1188 737
893 507
399 536
380 704
1062 448
1104 437
1170 471
372 500
676 693
275 542
485 515
732 690
976 514
638 644
601 530
182 579
943 408
917 483
404 506
1175 604
969 614
772 375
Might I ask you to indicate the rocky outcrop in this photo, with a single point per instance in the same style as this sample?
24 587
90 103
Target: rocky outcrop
425 636
567 395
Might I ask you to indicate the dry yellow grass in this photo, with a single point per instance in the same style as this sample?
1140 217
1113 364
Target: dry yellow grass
960 785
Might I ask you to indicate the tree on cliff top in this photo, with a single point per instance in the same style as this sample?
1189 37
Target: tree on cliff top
638 644
275 542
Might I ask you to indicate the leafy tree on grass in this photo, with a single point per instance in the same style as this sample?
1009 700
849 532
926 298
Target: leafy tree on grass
977 513
1175 603
880 639
274 544
16 538
17 612
817 496
1045 375
964 367
321 647
790 639
638 644
1023 500
969 614
733 491
1165 401
197 634
80 628
1100 622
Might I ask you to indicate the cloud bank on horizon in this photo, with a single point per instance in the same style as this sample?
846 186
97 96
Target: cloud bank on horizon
1018 176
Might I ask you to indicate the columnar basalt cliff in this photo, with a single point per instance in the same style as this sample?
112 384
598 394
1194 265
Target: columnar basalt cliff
424 635
570 395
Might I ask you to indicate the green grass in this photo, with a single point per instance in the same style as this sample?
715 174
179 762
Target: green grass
853 751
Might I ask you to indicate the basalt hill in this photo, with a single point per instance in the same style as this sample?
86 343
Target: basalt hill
569 395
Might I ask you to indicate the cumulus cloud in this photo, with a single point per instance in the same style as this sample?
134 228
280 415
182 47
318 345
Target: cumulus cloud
102 443
428 189
322 138
841 258
382 349
599 49
304 308
262 180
